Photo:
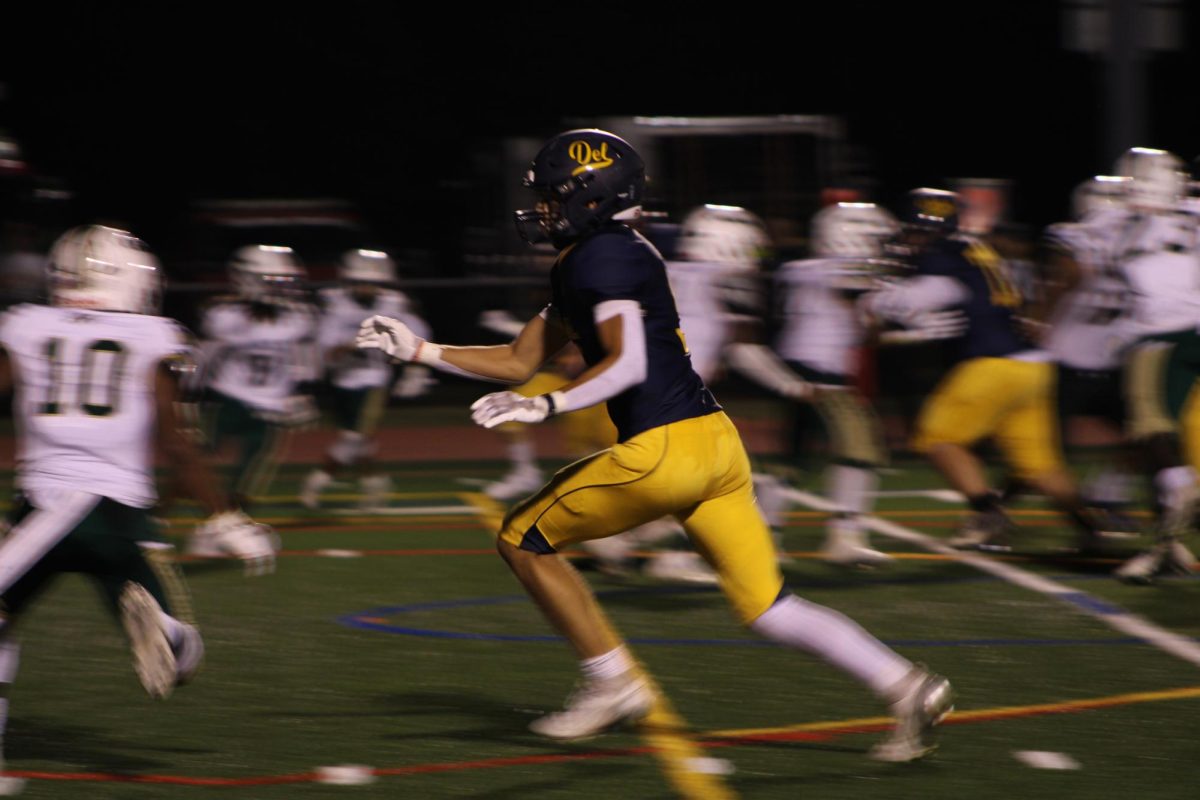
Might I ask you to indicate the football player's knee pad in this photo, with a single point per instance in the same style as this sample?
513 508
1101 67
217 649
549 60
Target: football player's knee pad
347 447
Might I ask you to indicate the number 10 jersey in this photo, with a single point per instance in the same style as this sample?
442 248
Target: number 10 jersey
84 404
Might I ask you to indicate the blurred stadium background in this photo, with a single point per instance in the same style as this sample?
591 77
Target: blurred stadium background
396 640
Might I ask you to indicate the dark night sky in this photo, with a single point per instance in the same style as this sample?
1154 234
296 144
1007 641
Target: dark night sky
142 108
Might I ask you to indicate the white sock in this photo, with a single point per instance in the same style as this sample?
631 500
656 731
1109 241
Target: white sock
849 488
612 664
836 639
522 454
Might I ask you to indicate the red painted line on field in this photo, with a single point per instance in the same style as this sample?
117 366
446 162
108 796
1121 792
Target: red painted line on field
179 780
813 732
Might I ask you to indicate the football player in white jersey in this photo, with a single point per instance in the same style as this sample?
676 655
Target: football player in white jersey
360 378
1153 248
1087 300
259 356
94 376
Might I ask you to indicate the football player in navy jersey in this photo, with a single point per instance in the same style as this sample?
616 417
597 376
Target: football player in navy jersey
1002 384
677 452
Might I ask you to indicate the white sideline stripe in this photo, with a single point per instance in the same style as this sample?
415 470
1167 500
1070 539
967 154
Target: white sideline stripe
37 534
941 495
404 511
1110 614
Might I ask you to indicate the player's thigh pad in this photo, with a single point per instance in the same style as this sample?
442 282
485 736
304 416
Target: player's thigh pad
970 401
664 470
1028 434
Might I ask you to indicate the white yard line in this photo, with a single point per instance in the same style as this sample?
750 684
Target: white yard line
1110 614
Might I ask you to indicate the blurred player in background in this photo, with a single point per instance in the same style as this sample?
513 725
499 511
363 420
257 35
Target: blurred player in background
1001 386
677 451
360 378
1152 246
258 360
1080 333
95 377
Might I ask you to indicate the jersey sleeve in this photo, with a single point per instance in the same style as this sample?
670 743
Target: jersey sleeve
611 267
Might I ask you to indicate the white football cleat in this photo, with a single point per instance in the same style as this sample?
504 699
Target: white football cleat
517 483
1168 555
153 658
990 531
680 566
846 545
926 701
233 534
595 706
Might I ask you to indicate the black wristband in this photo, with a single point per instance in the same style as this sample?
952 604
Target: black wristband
549 404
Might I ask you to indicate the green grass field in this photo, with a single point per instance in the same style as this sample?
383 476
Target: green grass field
419 658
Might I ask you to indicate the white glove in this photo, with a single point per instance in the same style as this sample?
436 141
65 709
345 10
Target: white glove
389 335
235 534
499 407
414 381
928 326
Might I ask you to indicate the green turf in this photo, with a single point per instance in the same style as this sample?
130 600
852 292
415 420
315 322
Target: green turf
287 687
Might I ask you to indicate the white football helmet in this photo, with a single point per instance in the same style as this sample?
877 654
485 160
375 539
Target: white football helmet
727 235
104 269
852 230
1097 193
366 266
1157 179
266 273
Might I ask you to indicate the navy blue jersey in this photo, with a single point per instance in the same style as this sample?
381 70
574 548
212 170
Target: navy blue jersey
615 263
993 301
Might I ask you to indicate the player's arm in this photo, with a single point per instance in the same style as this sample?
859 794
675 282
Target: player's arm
905 301
514 362
178 446
622 335
6 378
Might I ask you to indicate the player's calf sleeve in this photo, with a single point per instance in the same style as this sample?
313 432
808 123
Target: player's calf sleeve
1175 487
836 639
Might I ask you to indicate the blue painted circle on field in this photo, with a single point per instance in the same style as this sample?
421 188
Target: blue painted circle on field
379 620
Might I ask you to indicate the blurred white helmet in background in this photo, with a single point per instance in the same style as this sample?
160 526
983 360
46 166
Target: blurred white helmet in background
366 266
852 230
265 273
1097 193
104 269
1157 179
728 235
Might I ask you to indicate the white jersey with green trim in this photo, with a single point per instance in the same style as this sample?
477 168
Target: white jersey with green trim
1156 256
350 367
699 290
258 360
1082 335
820 326
84 402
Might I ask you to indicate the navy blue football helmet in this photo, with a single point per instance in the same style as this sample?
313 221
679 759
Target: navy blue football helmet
932 210
584 178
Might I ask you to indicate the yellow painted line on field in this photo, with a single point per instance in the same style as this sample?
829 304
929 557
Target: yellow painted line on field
977 715
674 745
